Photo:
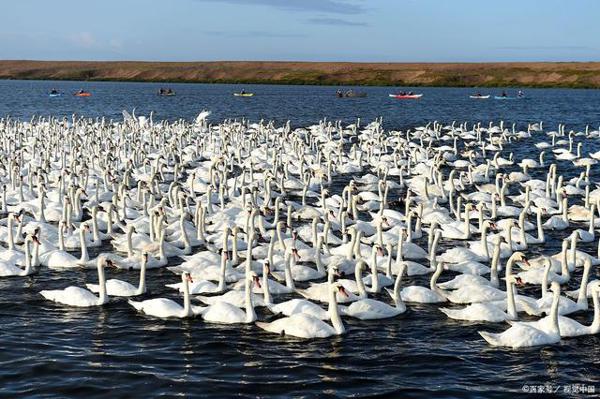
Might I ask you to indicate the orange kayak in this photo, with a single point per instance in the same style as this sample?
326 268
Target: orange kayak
84 94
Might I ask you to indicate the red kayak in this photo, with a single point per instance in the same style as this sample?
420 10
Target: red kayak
406 96
84 94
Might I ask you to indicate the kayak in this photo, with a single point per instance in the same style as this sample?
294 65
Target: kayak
243 94
167 95
351 95
84 94
54 94
406 96
504 98
480 97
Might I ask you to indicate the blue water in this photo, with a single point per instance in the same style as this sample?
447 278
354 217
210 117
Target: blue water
53 351
302 105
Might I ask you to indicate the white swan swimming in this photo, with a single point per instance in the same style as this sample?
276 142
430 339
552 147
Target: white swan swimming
80 297
166 308
122 288
521 335
302 325
10 270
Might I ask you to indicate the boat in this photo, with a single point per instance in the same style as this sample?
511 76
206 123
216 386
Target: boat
55 94
480 97
243 94
406 96
505 98
83 94
350 94
166 92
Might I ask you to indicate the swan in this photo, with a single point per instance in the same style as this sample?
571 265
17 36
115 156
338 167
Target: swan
225 313
488 311
122 288
483 293
294 306
77 296
10 270
419 294
164 308
572 328
371 309
521 335
207 286
302 325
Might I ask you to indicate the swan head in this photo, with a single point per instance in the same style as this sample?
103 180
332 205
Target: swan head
253 277
334 271
520 257
385 222
266 267
339 288
379 249
515 280
186 277
295 254
555 287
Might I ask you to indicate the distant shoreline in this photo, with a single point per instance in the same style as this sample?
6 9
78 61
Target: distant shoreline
514 74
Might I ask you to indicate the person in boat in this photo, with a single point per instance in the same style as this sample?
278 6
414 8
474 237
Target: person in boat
402 93
504 94
349 93
169 91
243 91
520 94
478 94
81 91
410 93
339 93
53 91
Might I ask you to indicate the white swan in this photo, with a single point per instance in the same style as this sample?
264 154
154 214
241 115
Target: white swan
165 308
77 296
122 288
226 313
371 309
521 335
10 270
302 325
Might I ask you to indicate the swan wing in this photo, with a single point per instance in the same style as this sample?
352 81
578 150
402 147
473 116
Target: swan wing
159 307
72 296
224 313
370 309
299 325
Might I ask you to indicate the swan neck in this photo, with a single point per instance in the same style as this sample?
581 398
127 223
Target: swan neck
102 284
334 314
250 313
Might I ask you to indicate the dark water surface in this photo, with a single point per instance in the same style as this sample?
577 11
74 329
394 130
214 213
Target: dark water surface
55 351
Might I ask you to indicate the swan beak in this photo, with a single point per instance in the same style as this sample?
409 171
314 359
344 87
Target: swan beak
189 278
257 281
343 291
525 261
519 281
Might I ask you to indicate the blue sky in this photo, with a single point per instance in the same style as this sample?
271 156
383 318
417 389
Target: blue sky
306 30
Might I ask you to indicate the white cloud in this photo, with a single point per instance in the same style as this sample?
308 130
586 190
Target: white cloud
84 39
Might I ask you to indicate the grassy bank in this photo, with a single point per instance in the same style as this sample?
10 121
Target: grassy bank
542 74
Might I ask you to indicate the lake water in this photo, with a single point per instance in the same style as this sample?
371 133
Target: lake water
52 351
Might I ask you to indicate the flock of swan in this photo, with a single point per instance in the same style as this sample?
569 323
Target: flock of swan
337 219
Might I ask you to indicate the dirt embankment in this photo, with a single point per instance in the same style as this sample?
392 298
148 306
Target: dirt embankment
542 74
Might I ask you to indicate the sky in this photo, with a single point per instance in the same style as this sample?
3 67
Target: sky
302 30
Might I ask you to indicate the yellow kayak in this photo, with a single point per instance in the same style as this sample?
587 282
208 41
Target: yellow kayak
243 94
